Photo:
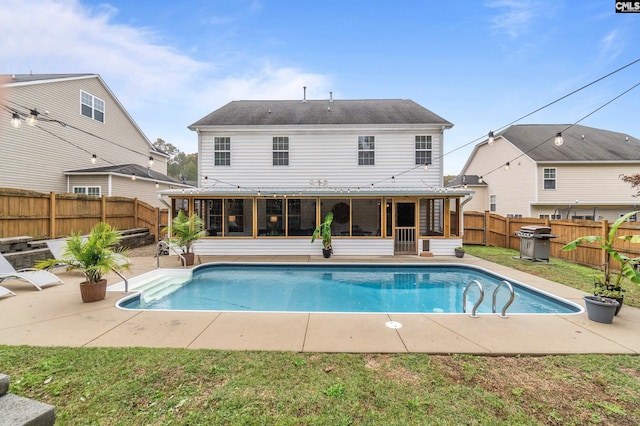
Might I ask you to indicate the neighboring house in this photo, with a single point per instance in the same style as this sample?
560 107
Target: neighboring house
81 140
579 179
271 170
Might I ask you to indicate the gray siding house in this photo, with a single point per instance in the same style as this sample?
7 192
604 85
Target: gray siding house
271 170
69 133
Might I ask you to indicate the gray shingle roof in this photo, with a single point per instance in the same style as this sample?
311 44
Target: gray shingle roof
127 169
310 112
23 78
581 143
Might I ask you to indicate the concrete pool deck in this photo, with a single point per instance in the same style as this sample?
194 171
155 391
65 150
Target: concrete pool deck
56 316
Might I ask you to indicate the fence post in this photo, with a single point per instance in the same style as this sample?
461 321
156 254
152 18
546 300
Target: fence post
605 232
103 213
135 212
157 225
486 228
52 215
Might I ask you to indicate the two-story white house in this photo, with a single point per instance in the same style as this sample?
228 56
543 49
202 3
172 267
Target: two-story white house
270 171
553 171
68 133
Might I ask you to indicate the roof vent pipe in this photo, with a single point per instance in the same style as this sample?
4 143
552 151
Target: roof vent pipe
330 96
304 97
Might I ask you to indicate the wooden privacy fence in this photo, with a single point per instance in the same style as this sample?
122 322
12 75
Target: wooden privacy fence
48 216
489 229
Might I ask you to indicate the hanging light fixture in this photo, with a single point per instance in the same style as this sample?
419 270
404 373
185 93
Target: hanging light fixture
559 140
491 138
94 159
507 166
15 120
32 120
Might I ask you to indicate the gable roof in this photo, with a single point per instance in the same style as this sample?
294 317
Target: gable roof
27 78
581 143
320 112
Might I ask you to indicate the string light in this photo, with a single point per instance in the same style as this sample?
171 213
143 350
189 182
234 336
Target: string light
426 166
15 120
94 159
490 141
507 166
206 180
150 161
559 140
393 179
133 176
157 185
32 120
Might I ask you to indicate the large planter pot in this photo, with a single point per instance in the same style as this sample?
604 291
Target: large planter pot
327 253
601 309
189 259
93 292
459 253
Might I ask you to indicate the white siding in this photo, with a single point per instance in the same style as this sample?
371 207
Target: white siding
330 155
292 247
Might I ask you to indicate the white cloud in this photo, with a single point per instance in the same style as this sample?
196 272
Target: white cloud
514 17
611 45
163 89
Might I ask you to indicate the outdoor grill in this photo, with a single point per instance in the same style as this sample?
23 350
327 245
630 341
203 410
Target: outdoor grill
535 242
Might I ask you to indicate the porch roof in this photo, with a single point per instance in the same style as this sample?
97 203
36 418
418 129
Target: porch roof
334 192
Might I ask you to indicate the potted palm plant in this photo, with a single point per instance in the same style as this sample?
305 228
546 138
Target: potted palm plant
184 231
608 284
324 230
94 256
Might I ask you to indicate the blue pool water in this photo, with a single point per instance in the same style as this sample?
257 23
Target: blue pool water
397 288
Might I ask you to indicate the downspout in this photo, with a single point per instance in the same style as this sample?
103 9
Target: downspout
470 197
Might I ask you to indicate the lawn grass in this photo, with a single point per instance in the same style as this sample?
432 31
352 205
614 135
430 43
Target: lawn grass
140 386
150 386
570 274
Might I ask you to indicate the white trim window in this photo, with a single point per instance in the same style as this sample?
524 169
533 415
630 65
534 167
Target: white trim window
549 177
222 151
91 106
550 216
493 204
366 150
280 150
87 190
632 218
424 149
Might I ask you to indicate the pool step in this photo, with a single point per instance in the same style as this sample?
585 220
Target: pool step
159 288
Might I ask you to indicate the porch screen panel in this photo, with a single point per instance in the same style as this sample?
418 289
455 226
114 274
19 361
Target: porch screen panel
301 217
210 211
341 209
238 218
270 217
431 217
366 217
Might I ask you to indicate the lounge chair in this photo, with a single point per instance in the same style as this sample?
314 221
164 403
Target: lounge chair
39 278
4 292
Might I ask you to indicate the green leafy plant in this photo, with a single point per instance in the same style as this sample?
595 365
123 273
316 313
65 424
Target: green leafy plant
185 230
608 283
324 230
94 256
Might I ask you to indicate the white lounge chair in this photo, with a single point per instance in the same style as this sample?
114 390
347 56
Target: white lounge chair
39 278
5 292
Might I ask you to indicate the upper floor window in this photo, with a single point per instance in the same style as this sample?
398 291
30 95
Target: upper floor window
91 107
280 150
222 151
549 178
88 190
366 150
423 149
492 203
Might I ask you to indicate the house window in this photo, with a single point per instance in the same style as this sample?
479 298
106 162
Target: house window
549 178
423 149
222 151
550 216
366 150
280 151
632 218
88 190
492 203
514 215
91 107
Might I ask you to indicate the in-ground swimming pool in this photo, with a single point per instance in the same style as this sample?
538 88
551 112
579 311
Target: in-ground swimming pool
358 288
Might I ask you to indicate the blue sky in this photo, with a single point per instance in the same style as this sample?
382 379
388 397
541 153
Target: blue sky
479 64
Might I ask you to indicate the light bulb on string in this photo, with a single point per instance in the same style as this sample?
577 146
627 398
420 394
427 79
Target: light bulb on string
491 138
16 122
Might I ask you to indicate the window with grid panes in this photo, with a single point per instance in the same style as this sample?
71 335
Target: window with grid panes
280 150
222 151
423 149
366 150
91 107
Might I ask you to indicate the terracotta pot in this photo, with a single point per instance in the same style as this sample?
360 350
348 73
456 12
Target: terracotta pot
189 258
93 292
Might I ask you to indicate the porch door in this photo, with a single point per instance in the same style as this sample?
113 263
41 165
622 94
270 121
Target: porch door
405 229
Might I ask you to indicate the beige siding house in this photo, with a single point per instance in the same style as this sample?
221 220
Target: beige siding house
270 171
69 133
580 178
